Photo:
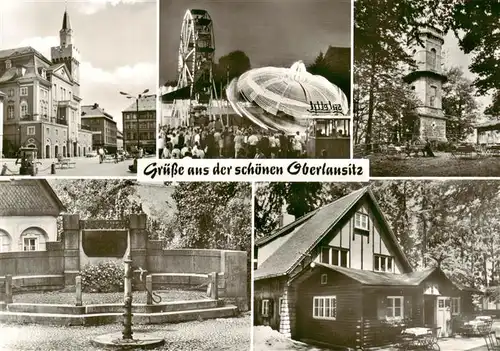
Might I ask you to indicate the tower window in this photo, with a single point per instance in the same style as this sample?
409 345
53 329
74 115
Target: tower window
8 64
432 59
432 98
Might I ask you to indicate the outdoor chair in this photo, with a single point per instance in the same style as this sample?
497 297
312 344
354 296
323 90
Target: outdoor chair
492 343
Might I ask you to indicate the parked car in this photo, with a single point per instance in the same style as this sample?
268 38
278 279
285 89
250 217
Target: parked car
92 154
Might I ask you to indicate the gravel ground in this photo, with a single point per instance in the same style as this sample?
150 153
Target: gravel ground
214 334
68 298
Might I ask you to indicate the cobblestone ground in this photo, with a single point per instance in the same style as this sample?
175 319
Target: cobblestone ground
215 334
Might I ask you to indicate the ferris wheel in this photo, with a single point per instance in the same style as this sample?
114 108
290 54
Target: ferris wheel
196 55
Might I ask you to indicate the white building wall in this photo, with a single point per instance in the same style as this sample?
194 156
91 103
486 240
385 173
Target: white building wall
12 228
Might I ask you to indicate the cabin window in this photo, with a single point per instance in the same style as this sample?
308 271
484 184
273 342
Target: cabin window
265 308
383 264
30 244
325 307
394 307
324 279
455 306
361 221
334 256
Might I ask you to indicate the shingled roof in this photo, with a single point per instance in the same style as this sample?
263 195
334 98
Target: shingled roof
94 111
312 231
29 198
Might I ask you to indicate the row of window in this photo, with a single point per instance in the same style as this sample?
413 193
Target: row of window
325 307
131 136
340 257
142 115
142 125
29 244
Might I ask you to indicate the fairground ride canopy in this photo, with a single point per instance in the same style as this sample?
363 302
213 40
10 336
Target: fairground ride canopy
285 99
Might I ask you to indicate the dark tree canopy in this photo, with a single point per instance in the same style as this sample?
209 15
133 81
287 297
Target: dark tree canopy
334 65
476 24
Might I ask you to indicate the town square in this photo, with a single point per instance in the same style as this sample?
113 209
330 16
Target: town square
70 102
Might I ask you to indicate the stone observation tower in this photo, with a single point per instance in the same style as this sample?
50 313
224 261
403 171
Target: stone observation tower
67 53
426 81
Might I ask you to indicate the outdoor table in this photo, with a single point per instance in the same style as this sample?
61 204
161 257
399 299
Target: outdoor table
419 338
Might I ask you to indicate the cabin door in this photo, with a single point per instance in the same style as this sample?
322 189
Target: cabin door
443 316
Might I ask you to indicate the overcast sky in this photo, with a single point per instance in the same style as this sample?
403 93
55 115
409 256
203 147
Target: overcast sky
117 41
270 32
453 57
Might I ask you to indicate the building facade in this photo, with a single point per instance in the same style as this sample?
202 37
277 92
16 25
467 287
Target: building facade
119 140
104 132
28 215
338 276
42 105
139 125
426 80
2 99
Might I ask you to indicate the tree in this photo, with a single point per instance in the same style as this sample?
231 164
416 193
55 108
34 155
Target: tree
382 32
335 66
476 25
459 104
299 198
214 215
109 199
230 66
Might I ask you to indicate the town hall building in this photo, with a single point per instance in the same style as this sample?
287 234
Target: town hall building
41 108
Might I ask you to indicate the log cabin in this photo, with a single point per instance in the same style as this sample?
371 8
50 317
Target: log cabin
337 276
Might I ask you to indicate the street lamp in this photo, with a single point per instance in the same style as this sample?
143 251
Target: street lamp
137 111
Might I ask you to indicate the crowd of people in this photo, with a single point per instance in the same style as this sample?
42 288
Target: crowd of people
217 141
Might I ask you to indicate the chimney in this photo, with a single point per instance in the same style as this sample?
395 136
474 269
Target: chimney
285 218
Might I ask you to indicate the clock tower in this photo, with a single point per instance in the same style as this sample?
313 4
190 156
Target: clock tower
67 53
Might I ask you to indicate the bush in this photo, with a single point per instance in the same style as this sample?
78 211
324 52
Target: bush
102 277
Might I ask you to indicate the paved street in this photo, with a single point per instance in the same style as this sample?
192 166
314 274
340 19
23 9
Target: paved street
216 334
85 166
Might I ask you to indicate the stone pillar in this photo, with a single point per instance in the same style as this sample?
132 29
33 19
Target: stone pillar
8 288
149 290
78 290
138 240
214 281
2 98
234 266
71 237
285 327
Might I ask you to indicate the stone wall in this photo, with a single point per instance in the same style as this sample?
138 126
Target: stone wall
65 260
